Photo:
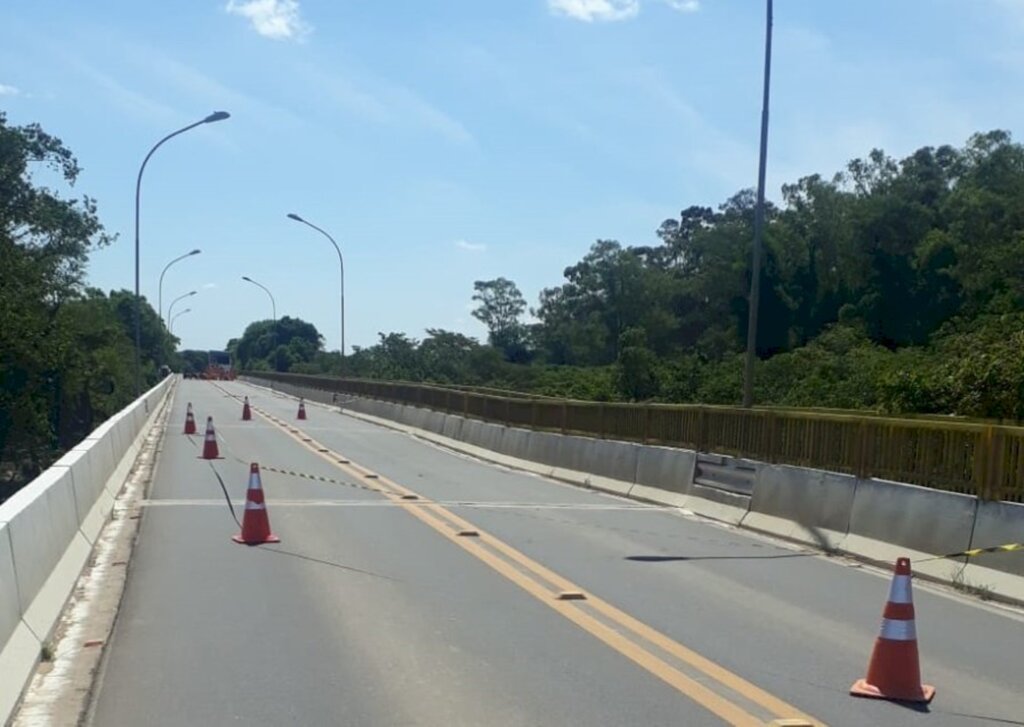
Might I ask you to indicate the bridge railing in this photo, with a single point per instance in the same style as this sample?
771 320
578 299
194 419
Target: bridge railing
971 457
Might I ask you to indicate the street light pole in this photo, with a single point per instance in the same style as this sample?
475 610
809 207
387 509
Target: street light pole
755 271
273 331
341 262
180 297
160 298
273 304
215 116
179 315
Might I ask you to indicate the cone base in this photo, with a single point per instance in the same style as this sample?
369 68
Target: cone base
202 457
271 538
861 688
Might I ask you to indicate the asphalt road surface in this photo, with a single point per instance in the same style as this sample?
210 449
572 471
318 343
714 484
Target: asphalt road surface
374 610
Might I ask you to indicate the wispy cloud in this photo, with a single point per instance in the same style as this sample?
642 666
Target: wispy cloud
381 101
470 246
6 90
277 19
209 286
590 11
684 6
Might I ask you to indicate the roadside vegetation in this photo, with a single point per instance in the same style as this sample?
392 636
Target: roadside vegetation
893 285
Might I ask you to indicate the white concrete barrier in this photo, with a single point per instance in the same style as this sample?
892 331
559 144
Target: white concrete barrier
452 426
19 648
891 519
49 550
46 534
805 505
997 523
664 475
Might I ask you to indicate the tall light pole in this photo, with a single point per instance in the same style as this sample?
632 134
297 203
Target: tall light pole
273 304
755 266
160 303
273 331
341 262
180 297
176 317
215 116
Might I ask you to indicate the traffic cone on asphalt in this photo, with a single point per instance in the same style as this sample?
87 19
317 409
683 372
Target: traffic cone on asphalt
894 671
255 522
210 450
190 420
246 412
302 408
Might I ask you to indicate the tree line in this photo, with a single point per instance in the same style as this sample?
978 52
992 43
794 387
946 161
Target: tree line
893 285
66 350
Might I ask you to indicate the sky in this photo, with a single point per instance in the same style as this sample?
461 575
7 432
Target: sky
442 142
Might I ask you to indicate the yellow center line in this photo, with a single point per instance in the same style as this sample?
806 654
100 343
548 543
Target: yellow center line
448 524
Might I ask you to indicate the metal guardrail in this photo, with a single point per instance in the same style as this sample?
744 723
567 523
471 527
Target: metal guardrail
970 457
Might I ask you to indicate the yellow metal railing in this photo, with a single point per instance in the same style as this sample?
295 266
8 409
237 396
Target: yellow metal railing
972 457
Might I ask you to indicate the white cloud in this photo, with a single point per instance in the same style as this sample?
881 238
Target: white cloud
611 10
209 286
6 90
470 246
277 19
684 6
591 10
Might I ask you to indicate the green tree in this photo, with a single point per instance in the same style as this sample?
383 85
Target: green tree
500 308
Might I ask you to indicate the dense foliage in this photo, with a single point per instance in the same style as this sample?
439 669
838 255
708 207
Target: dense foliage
893 285
66 351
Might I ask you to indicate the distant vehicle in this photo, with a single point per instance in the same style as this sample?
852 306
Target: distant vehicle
219 367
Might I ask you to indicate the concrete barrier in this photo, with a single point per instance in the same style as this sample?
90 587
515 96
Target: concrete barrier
48 549
46 534
805 505
891 519
452 426
664 475
997 523
19 648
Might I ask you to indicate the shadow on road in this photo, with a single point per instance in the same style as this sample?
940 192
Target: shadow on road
311 559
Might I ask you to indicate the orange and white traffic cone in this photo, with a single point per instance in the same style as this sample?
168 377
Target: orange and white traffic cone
190 420
302 408
210 450
246 412
255 522
894 671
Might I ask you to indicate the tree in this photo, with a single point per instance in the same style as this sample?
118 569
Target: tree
501 307
45 240
636 376
279 346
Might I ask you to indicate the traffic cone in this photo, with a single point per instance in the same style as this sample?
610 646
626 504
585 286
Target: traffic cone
190 420
302 408
255 522
894 671
210 450
246 412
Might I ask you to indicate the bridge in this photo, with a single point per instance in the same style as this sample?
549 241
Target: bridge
420 579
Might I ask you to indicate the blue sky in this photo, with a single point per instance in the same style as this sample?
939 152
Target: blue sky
446 141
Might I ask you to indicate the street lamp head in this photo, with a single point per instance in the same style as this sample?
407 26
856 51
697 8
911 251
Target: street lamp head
216 116
293 216
195 252
246 277
193 292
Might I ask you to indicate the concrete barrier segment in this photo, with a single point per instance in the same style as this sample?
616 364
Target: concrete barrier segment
889 519
47 547
800 504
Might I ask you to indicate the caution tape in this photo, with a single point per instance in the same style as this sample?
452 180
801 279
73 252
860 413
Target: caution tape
973 552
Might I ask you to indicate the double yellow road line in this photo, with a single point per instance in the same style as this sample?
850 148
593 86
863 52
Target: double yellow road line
726 695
